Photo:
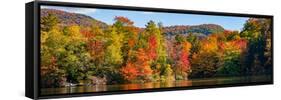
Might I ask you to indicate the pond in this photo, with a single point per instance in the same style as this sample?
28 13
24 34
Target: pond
151 85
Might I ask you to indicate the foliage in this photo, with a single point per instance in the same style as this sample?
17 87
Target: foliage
204 29
124 53
258 57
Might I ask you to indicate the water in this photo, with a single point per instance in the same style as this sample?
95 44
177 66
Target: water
151 85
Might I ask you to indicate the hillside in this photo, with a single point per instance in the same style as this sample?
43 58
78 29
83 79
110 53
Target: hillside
203 29
67 18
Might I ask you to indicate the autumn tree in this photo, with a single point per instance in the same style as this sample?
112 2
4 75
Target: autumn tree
181 57
125 26
258 33
143 65
129 72
138 71
51 42
95 46
206 62
74 58
113 55
232 57
157 47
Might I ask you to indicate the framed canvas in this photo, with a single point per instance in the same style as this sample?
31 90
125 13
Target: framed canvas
75 49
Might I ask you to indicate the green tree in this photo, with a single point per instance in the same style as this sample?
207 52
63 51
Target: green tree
195 42
258 33
231 62
74 57
48 22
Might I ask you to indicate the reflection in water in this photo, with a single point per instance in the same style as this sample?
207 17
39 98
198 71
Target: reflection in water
150 85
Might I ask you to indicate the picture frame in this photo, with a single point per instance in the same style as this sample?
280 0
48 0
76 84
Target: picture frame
33 58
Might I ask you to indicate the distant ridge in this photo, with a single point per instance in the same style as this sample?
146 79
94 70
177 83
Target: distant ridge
68 18
205 29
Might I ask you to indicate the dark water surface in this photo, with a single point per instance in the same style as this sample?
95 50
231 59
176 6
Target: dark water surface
150 85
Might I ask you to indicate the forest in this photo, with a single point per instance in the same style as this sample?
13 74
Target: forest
123 53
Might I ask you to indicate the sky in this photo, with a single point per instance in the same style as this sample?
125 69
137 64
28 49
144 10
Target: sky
140 18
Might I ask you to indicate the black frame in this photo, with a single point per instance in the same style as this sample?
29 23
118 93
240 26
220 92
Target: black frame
32 42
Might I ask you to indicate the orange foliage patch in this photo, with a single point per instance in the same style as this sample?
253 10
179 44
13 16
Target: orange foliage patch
124 20
129 72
